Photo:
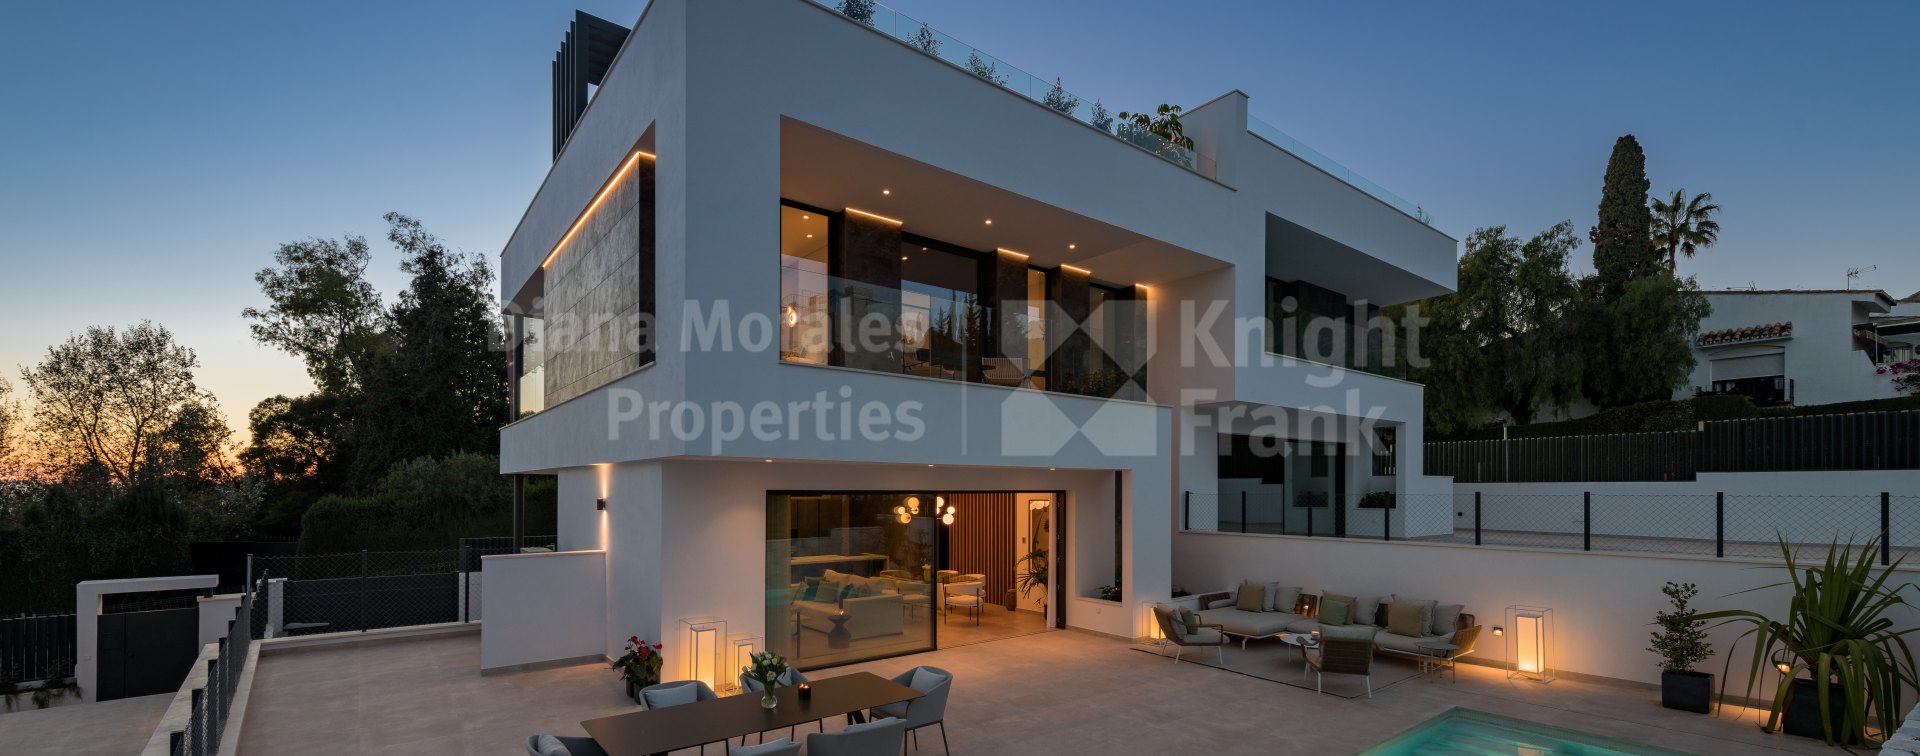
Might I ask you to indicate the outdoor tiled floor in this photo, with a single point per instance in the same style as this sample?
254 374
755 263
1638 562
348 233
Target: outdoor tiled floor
1059 692
114 728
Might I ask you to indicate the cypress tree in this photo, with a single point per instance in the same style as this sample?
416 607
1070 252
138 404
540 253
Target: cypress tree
1623 239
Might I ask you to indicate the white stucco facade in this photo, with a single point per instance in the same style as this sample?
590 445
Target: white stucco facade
717 94
1824 358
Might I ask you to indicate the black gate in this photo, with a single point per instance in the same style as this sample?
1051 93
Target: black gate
143 653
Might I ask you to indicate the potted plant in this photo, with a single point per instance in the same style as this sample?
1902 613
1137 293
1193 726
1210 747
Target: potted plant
639 666
1681 642
1838 630
1032 573
770 670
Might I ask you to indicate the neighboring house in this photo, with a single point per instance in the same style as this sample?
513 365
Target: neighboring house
884 290
1800 347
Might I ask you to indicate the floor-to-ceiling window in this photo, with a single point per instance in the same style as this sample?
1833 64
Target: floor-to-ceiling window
850 575
943 325
803 285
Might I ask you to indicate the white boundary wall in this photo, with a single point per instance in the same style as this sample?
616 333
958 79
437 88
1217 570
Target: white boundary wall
1806 507
1603 603
547 606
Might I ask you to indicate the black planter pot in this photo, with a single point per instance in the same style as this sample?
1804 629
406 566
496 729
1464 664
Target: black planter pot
1687 691
1802 714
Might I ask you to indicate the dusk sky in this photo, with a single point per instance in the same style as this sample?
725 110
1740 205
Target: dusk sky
152 155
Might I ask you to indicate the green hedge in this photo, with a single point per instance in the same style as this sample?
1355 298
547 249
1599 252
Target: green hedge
424 504
1675 415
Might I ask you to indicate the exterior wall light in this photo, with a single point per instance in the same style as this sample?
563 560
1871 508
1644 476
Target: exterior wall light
600 505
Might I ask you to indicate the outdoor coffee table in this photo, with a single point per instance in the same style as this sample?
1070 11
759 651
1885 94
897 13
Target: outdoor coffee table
722 719
1302 641
1435 657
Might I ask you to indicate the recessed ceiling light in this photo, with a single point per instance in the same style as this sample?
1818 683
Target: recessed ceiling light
804 216
886 191
766 460
809 236
1071 246
989 221
903 257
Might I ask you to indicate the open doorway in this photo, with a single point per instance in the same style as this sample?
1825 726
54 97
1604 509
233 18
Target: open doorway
998 565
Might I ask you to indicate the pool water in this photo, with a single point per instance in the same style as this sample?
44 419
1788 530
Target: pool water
1465 731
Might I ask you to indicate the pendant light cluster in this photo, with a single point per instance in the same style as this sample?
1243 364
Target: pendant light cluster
905 513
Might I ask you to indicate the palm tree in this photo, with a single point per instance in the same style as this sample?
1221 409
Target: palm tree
1684 226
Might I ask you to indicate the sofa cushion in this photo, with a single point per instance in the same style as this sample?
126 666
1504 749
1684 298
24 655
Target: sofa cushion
1250 597
1204 635
1187 617
813 589
1427 610
1366 611
1329 596
1408 618
1285 598
1252 624
548 745
1446 618
1303 626
1392 641
1333 612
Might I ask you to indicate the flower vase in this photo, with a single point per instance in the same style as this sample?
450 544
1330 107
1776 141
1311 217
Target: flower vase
767 701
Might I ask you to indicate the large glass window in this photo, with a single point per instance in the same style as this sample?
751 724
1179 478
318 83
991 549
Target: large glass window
803 286
850 576
942 324
529 365
1036 326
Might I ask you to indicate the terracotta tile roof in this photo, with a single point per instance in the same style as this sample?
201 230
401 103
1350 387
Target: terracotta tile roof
1746 333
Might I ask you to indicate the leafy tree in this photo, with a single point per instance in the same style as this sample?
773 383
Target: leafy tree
442 388
1101 119
1503 340
322 309
1648 332
9 426
193 447
1683 226
981 68
1058 99
106 401
858 10
1621 241
926 41
1163 122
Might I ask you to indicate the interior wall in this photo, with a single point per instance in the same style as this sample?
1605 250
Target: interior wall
982 539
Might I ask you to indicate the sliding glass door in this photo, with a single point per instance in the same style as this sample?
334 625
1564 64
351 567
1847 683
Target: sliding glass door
850 576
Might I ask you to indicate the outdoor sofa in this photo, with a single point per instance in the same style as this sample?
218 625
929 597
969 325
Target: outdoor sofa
1287 609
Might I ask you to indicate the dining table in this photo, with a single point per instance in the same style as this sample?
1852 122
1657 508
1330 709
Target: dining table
718 720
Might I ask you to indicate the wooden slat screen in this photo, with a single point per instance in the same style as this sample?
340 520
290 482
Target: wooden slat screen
981 539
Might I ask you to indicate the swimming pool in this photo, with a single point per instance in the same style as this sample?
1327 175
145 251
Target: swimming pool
1465 731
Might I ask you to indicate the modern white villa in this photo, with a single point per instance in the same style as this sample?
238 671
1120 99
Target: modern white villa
813 314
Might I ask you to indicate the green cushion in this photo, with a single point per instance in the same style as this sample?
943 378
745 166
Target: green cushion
1334 612
1250 597
1187 618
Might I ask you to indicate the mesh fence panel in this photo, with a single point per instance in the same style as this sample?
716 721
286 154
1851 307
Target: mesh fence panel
1755 525
1653 523
1202 512
1551 521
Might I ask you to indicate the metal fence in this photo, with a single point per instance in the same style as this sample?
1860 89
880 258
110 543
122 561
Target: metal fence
207 717
369 590
1859 441
1710 525
36 647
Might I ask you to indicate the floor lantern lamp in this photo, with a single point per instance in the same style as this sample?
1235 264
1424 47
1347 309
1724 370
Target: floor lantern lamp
1529 636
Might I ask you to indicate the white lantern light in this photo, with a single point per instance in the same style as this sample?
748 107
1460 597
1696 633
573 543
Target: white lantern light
1530 643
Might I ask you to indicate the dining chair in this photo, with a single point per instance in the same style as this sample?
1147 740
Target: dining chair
544 744
964 596
929 710
670 694
881 737
791 678
781 747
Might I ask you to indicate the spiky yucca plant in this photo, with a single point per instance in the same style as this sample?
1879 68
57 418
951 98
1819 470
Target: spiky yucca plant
1837 629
